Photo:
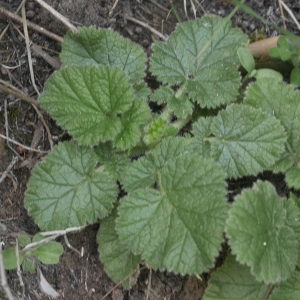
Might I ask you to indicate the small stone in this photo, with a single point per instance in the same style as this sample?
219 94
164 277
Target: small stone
138 30
30 14
252 26
221 12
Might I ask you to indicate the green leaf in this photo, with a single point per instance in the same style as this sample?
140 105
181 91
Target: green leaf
288 290
297 202
267 73
104 47
292 177
66 190
10 259
263 231
284 49
234 281
38 237
295 77
181 106
283 54
132 120
213 78
155 130
88 101
201 131
246 59
49 253
115 163
142 91
24 240
29 264
118 260
178 226
282 101
246 140
141 173
168 149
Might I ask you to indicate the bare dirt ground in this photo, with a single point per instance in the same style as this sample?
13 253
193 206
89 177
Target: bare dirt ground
75 277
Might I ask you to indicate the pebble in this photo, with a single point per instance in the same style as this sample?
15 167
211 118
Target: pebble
138 30
30 14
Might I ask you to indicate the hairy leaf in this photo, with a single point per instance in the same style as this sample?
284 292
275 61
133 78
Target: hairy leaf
10 258
178 227
263 231
283 102
246 140
234 281
49 253
88 101
201 131
65 190
103 47
141 173
181 105
132 120
289 289
212 78
118 260
293 177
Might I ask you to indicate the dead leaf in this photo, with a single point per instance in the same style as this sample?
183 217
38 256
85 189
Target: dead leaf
46 288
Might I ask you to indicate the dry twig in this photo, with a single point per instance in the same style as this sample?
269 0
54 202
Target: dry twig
128 276
145 25
290 13
31 25
19 269
57 15
282 14
4 174
28 49
3 277
21 145
71 247
149 283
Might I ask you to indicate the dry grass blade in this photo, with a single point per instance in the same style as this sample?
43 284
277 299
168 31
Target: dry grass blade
31 25
290 13
57 15
28 49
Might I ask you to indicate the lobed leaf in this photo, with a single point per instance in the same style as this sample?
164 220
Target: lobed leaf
289 289
234 281
118 260
201 131
181 106
292 177
88 101
131 122
178 227
283 102
212 78
263 232
103 47
246 140
143 172
66 190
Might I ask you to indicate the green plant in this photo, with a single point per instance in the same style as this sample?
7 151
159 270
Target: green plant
288 51
170 208
29 252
